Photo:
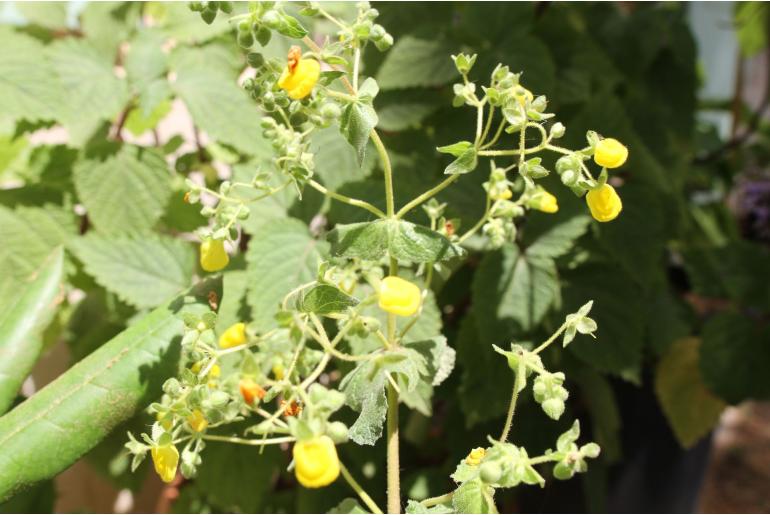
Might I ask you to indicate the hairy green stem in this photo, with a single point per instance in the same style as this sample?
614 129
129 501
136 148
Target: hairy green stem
551 339
439 499
520 371
427 195
385 160
246 441
359 490
394 487
347 200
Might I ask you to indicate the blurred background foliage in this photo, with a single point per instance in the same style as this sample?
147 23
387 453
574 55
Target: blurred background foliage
105 112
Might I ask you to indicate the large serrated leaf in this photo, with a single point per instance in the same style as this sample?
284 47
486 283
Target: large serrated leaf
417 62
222 109
142 270
400 239
125 193
92 90
282 255
512 292
29 89
21 323
55 427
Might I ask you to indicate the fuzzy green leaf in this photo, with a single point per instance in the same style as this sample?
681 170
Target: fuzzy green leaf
21 323
469 498
323 299
416 62
400 239
142 270
60 423
282 256
356 124
126 192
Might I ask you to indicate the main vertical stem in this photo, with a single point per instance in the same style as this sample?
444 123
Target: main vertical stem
394 469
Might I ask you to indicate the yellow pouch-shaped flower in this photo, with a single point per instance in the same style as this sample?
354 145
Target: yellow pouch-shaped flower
299 78
545 202
197 421
165 458
475 456
213 255
233 336
604 203
610 153
399 296
315 462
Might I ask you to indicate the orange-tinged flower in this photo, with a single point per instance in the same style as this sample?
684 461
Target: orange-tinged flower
300 75
604 203
399 296
316 463
250 390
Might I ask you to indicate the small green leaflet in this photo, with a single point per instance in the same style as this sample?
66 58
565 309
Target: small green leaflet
323 299
466 161
356 124
400 239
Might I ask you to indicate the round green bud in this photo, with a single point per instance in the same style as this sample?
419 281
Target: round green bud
195 6
330 111
226 7
562 471
490 472
264 35
553 407
384 43
377 32
208 16
338 432
271 19
245 39
255 59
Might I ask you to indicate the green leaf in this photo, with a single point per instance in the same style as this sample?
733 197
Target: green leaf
28 236
469 498
439 361
92 90
735 357
323 299
22 323
364 389
456 149
418 507
356 124
219 107
146 61
691 409
348 505
55 427
290 27
142 270
512 292
559 239
51 15
335 161
465 162
125 193
29 90
751 27
417 62
282 255
138 122
400 239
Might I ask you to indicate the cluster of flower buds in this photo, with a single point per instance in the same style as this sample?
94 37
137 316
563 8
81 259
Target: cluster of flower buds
363 29
209 10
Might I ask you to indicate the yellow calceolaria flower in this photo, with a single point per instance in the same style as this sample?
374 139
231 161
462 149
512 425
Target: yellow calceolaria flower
233 336
545 202
604 203
214 371
165 458
399 296
316 463
197 421
278 371
475 456
610 153
213 255
523 95
300 75
501 195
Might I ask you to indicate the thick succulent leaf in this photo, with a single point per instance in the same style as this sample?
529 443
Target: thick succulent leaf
21 323
55 427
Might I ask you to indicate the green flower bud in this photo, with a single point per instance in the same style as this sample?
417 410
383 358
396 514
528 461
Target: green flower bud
255 59
271 19
384 43
195 6
557 130
338 432
263 36
490 472
377 32
330 111
562 471
208 16
554 408
226 7
245 39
